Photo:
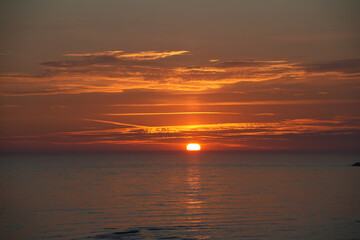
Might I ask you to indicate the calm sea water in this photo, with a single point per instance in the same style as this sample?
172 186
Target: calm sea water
180 196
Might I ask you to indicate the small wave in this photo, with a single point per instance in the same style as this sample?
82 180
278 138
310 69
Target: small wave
180 232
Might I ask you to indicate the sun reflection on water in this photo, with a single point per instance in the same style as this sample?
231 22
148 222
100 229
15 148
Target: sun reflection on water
193 198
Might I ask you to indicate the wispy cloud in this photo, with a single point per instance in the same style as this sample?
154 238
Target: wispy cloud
152 55
227 134
349 66
115 123
248 103
144 55
95 54
230 134
117 71
265 114
168 113
290 126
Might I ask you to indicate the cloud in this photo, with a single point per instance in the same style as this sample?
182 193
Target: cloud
168 113
224 130
349 66
117 71
265 114
148 97
115 123
142 56
253 63
152 55
95 54
248 103
227 134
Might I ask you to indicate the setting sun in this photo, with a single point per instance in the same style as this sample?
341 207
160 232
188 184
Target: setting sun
193 147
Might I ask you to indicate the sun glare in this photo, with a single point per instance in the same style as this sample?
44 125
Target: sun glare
193 147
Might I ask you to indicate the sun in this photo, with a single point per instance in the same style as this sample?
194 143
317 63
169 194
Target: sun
193 147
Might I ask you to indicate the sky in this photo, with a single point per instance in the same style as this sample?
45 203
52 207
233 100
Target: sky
136 75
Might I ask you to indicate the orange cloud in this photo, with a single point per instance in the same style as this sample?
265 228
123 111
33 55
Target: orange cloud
95 54
248 103
144 55
210 132
152 55
247 135
166 113
116 71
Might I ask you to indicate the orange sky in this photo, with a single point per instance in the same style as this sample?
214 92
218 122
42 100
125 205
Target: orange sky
231 75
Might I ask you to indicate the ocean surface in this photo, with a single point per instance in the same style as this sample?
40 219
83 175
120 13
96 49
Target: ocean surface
180 196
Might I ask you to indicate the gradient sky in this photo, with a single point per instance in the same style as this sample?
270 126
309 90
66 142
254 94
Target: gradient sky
112 75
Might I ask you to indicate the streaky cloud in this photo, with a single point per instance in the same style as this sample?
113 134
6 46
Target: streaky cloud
167 113
348 66
144 55
268 102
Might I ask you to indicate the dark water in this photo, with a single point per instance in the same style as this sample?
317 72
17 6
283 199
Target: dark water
180 196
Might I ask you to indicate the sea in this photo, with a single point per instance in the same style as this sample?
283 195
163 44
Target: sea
180 196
